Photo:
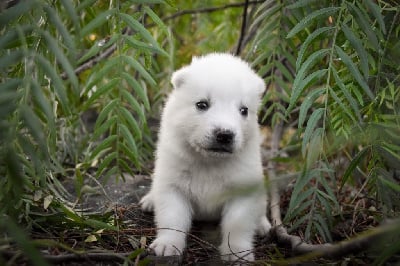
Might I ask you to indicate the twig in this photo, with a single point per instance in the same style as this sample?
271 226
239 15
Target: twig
243 29
93 61
271 170
209 9
357 244
96 59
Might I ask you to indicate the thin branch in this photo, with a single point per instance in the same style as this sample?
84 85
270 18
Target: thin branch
209 9
99 57
243 29
271 170
355 245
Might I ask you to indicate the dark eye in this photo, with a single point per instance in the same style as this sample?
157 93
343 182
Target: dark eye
202 105
244 111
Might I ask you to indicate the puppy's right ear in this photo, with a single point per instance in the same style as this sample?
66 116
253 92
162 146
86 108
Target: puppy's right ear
179 77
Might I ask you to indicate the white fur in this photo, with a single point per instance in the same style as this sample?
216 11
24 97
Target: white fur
192 182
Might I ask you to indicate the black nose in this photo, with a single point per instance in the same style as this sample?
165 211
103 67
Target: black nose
224 136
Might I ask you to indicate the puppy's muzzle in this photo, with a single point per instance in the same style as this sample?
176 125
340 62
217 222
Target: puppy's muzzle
223 141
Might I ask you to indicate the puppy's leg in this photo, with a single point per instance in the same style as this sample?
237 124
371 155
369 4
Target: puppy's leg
173 218
147 202
264 226
240 219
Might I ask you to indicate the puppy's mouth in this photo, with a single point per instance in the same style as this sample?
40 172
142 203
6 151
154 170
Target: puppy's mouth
220 149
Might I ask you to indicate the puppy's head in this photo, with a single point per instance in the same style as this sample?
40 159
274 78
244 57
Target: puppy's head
214 104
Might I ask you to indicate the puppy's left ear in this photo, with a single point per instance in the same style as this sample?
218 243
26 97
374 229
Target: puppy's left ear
260 85
179 77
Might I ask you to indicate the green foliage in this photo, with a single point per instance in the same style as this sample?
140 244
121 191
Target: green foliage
272 56
59 61
342 88
333 68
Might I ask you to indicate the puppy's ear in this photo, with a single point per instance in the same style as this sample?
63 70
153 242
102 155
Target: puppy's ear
179 77
259 85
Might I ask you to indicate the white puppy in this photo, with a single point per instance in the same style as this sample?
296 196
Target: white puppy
208 162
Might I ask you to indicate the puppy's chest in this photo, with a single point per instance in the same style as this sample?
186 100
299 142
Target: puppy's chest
206 190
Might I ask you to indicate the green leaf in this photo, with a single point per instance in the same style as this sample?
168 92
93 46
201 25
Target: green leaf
297 210
85 4
284 70
11 38
299 221
394 186
346 93
106 111
137 66
32 122
299 80
311 126
129 140
307 42
314 147
99 20
353 164
98 47
301 3
133 125
359 47
101 129
342 106
144 46
12 13
377 12
56 21
9 97
58 85
139 90
309 18
354 71
362 20
101 91
96 224
131 155
392 158
134 104
10 85
72 13
10 59
147 2
43 103
124 166
301 183
105 163
104 145
298 199
310 79
307 103
156 19
322 227
53 46
324 202
136 26
99 75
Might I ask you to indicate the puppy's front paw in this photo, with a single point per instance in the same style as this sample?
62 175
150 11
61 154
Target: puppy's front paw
168 246
146 203
264 227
